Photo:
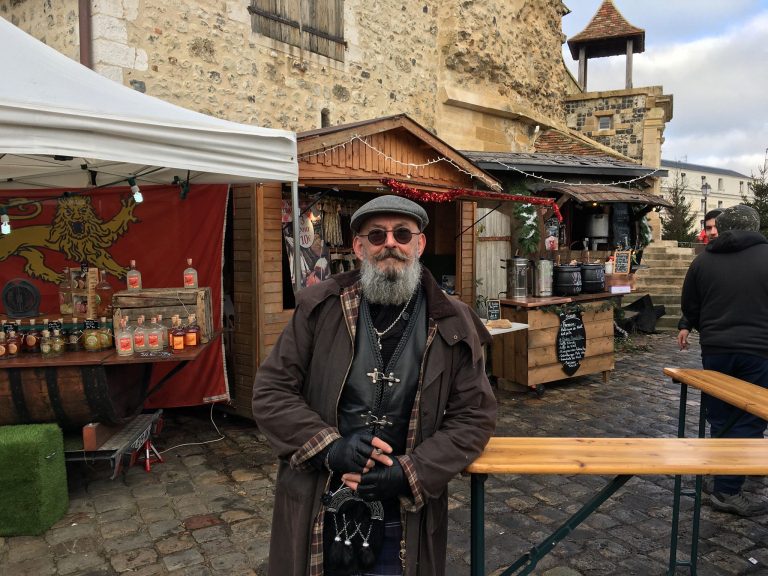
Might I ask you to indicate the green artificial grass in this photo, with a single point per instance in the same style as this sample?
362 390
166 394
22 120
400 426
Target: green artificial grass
33 479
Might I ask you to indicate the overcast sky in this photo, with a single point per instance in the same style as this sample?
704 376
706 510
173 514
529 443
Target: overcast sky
712 56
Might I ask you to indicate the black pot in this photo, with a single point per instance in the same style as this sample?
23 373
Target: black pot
592 278
566 280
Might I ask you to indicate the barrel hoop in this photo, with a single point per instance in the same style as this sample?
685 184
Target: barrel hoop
17 393
96 392
54 396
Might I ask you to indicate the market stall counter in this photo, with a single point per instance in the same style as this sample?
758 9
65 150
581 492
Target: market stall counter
567 336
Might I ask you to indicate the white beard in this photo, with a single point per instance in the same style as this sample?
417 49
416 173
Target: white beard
390 286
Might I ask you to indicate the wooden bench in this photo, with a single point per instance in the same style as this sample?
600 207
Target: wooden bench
743 395
619 457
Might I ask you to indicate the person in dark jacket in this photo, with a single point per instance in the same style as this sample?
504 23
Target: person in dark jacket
710 233
725 298
374 397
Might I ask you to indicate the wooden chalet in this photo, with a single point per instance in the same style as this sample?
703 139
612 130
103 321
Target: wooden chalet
349 163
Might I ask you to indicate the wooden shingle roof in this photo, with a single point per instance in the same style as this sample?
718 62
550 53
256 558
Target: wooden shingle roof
607 34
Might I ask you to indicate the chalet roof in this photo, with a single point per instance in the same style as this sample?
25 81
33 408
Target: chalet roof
586 193
607 34
310 142
542 163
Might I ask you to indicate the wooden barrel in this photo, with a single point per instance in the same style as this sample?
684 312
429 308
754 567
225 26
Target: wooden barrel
592 278
566 280
71 396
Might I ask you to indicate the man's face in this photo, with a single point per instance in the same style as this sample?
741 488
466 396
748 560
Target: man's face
710 228
392 256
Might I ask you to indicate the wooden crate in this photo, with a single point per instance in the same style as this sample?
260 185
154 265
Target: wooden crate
168 302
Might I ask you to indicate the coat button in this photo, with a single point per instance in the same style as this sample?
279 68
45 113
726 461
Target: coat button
455 337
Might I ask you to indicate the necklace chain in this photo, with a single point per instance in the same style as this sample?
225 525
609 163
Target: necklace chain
380 333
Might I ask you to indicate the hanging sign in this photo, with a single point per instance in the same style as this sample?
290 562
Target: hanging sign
571 342
306 232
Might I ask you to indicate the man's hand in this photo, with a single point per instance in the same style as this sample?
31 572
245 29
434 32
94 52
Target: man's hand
383 483
352 454
682 339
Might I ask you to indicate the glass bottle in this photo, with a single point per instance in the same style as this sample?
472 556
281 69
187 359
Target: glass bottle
177 335
46 345
154 335
133 277
57 342
104 293
124 339
74 342
91 340
190 275
139 335
191 332
13 344
163 330
31 343
105 335
65 294
3 346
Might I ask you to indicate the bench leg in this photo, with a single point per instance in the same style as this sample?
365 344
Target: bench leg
477 524
536 553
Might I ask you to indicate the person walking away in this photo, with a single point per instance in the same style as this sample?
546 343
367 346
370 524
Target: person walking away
709 233
725 298
374 397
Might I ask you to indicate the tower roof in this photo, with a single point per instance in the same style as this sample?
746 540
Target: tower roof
607 34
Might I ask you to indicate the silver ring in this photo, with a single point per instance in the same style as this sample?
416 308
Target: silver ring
377 450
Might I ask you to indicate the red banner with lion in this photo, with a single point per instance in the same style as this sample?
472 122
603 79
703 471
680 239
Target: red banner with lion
106 229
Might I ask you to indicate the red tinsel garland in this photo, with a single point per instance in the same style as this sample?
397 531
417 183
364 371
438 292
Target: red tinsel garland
450 195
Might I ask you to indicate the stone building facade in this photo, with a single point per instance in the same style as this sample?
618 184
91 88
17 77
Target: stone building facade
481 75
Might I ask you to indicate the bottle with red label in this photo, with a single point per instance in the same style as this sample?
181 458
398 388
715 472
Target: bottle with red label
177 335
190 275
133 277
191 332
139 335
154 335
124 339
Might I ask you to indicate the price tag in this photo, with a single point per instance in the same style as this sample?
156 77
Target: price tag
622 262
494 309
306 232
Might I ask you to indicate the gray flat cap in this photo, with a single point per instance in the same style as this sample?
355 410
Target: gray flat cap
739 217
389 204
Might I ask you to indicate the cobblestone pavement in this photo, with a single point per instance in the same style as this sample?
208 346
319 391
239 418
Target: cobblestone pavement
207 509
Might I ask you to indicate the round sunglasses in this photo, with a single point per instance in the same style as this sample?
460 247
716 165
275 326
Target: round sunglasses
378 236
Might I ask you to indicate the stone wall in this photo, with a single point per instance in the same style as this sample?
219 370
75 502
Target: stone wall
496 63
54 22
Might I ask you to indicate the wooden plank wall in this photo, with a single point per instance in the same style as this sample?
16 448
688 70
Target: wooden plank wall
245 271
494 244
465 252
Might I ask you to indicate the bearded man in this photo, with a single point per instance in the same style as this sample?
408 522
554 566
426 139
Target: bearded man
374 397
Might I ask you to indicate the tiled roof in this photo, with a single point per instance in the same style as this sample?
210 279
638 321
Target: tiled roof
556 163
606 34
556 142
585 193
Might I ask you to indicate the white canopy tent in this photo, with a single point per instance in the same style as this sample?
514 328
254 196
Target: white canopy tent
63 125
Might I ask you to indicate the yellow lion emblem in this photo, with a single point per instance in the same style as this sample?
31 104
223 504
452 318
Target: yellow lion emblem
75 231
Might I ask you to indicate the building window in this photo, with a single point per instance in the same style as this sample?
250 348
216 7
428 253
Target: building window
703 205
720 185
741 186
719 203
313 25
604 123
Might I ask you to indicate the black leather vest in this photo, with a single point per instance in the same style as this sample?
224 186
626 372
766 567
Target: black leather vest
378 398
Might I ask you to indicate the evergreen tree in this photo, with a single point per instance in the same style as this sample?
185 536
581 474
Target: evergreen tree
759 201
677 222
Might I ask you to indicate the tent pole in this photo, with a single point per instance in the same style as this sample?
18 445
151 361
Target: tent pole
296 243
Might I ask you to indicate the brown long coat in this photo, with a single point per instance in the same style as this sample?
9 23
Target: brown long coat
295 397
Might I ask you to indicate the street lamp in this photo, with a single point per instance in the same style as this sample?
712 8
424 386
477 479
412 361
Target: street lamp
705 190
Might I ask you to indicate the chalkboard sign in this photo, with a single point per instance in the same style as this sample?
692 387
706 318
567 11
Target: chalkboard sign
494 309
622 262
571 342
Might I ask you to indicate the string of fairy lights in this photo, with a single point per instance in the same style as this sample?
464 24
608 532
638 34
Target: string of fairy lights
414 166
